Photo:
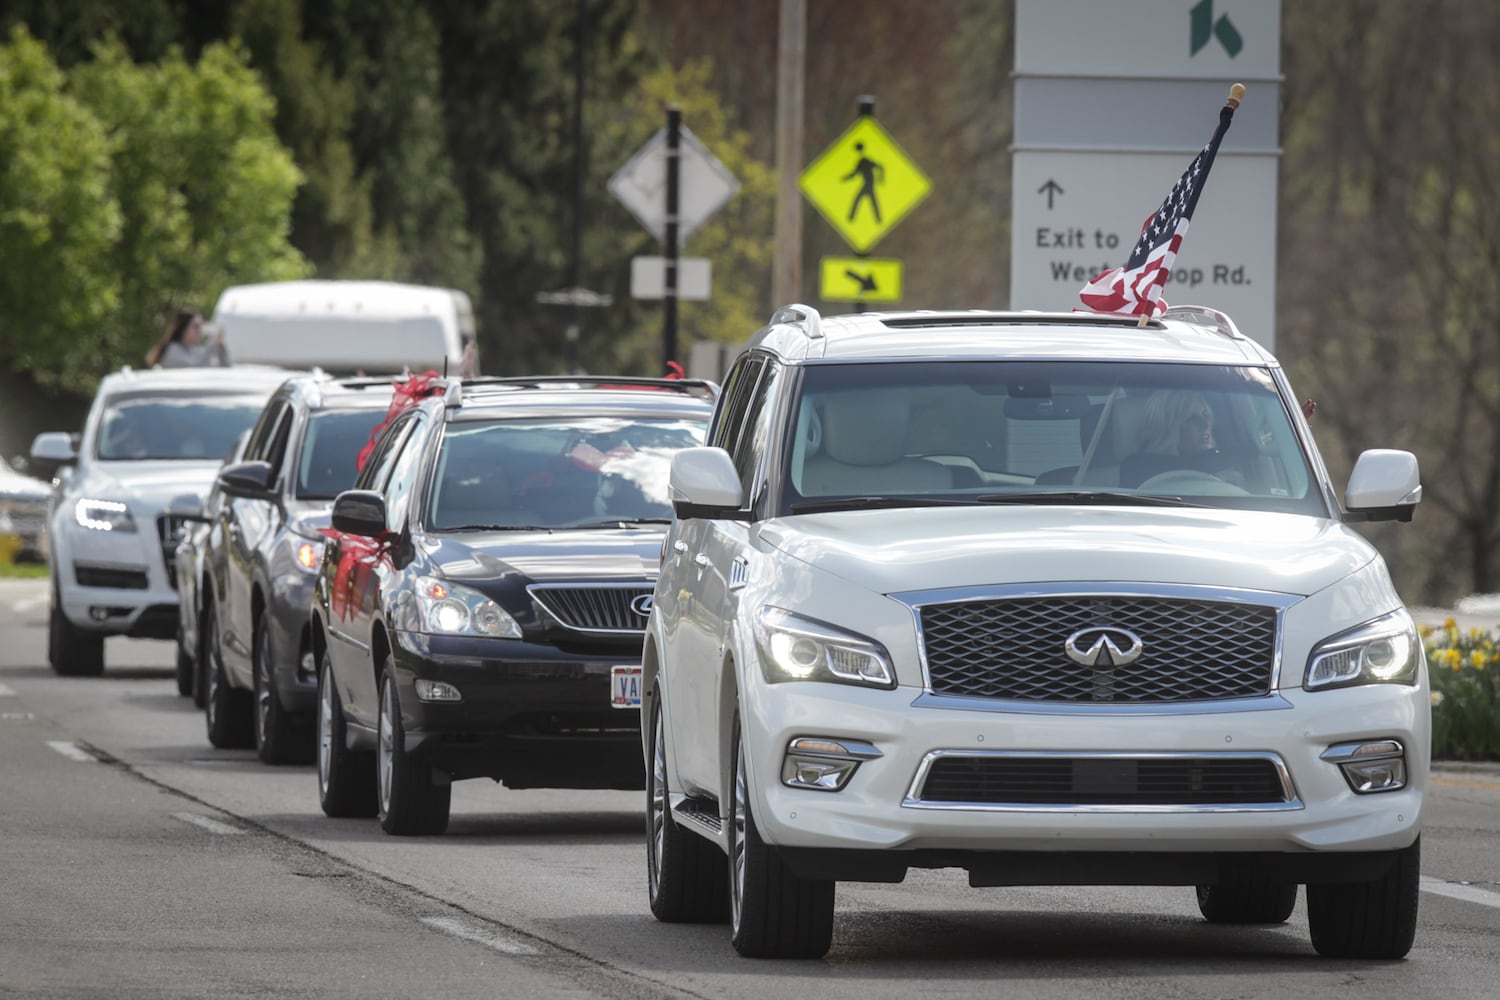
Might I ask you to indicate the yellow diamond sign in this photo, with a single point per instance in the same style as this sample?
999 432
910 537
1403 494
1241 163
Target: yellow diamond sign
864 184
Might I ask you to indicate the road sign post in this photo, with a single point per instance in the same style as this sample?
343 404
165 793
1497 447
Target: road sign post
669 279
863 185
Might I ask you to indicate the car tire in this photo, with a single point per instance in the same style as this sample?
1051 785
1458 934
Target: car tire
346 778
414 798
686 875
280 738
774 913
1247 898
1369 920
186 667
227 712
72 651
200 665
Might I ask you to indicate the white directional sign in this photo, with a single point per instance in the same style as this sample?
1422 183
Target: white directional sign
704 184
1076 215
648 277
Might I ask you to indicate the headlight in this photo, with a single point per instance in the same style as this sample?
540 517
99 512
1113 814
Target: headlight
1384 651
451 609
310 555
103 515
793 648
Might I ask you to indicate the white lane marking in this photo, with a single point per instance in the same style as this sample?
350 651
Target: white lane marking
16 717
482 935
1467 893
211 825
72 751
6 692
27 604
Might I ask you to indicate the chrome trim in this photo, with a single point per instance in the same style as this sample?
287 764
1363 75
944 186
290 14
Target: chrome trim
739 573
531 591
1288 790
853 749
1343 753
916 600
1272 702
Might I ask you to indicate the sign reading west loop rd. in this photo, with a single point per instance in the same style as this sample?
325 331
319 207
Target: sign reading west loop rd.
864 184
859 279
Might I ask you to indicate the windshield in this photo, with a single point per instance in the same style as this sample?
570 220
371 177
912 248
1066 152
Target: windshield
557 473
1046 432
185 428
329 449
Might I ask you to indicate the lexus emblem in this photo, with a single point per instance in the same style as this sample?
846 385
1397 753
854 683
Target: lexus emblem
1091 647
642 605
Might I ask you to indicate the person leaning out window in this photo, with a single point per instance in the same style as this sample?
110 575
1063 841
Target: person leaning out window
184 345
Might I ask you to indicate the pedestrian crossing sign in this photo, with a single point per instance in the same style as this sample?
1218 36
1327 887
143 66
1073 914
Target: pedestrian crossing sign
864 184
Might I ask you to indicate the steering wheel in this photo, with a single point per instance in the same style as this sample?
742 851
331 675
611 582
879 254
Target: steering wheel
1193 482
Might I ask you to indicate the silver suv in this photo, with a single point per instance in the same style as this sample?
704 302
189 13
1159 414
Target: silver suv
1053 598
150 437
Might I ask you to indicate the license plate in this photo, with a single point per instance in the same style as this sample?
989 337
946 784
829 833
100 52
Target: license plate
625 686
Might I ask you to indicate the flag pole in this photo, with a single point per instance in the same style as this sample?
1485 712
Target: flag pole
1236 94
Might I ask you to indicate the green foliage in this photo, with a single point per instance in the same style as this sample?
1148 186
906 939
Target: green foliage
1465 695
59 220
203 183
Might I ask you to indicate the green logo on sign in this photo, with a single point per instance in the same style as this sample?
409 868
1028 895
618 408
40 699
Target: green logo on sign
1205 27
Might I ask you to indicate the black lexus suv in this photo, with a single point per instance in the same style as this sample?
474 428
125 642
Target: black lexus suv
483 597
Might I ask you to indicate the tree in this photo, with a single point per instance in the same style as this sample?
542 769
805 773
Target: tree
59 222
203 184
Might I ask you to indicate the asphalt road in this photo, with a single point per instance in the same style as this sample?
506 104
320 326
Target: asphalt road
137 861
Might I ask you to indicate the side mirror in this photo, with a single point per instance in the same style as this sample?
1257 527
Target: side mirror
1384 486
54 448
705 483
187 507
359 512
247 480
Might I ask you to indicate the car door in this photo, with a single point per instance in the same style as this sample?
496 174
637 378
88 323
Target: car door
373 573
699 585
246 520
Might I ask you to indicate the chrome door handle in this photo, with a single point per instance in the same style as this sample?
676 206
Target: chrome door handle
701 559
679 546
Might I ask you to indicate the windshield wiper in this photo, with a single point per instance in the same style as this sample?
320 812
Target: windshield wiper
495 527
874 503
1101 497
620 522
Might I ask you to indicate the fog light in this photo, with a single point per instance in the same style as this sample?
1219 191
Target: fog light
437 691
98 613
307 667
1376 766
823 763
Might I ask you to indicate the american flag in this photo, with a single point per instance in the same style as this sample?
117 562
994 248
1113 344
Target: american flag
1135 289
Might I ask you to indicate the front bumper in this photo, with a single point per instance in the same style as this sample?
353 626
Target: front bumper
878 810
114 583
531 715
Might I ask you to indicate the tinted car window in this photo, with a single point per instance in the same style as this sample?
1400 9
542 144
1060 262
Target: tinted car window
1217 435
557 473
133 428
329 447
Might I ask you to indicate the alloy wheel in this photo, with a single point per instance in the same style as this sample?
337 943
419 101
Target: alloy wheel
737 838
325 728
658 802
386 750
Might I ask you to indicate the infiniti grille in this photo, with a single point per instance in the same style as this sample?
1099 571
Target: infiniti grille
1190 650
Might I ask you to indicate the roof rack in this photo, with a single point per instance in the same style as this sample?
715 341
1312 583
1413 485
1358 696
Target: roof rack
804 317
1204 316
975 317
456 388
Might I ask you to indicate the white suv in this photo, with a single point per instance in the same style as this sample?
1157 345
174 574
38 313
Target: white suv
1054 598
151 437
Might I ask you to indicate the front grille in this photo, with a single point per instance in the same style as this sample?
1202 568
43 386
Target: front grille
1103 781
1191 650
597 608
90 575
171 531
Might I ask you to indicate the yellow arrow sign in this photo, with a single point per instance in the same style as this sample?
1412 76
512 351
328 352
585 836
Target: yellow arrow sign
860 279
864 184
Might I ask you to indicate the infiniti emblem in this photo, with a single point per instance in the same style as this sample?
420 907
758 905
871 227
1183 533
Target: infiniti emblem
1103 647
642 605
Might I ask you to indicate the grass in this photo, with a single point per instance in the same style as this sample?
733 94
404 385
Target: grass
23 571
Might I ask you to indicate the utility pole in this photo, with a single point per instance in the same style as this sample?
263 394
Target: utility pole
791 58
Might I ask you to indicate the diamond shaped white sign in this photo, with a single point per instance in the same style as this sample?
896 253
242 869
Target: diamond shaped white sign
703 184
